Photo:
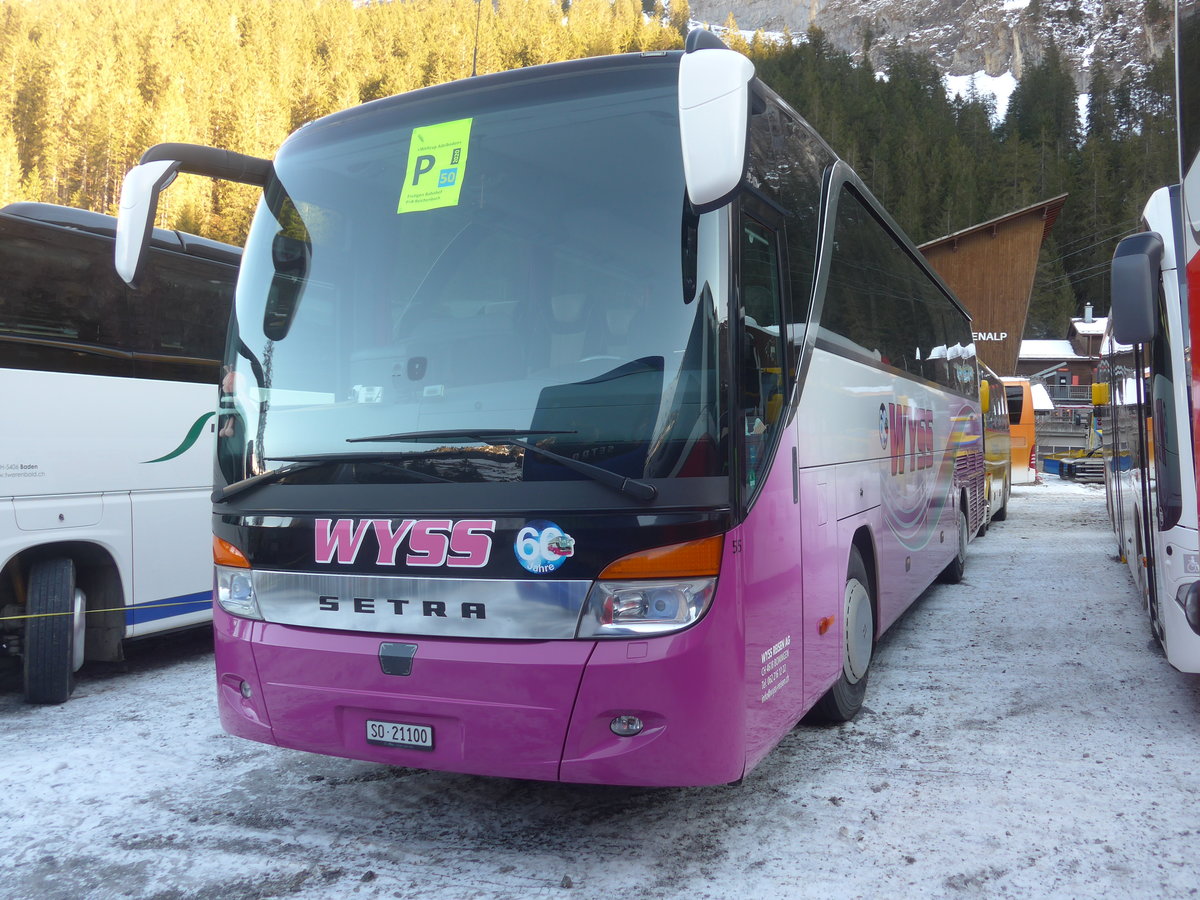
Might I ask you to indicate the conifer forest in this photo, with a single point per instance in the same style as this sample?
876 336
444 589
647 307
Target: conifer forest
89 84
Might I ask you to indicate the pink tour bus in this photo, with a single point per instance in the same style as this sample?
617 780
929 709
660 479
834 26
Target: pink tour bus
588 422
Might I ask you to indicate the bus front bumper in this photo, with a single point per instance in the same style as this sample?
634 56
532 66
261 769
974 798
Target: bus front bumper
520 709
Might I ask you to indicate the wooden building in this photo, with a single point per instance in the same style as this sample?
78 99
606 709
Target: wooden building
991 268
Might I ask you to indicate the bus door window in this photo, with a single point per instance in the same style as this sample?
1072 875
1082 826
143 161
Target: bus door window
786 161
763 390
1165 439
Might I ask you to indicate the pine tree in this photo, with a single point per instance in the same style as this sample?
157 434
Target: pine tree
1052 302
680 16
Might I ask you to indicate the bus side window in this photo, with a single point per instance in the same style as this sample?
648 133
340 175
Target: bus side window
190 329
61 301
762 357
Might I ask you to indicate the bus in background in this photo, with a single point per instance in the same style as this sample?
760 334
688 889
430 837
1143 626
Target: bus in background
997 445
1155 292
1022 430
105 454
585 422
1153 499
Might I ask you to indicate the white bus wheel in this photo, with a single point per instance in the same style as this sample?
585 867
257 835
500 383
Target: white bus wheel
1002 513
953 573
842 702
49 646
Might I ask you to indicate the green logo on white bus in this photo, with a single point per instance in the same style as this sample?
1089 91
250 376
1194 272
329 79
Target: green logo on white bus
189 440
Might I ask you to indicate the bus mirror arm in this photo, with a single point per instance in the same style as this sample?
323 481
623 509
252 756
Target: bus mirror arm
214 162
153 174
1136 265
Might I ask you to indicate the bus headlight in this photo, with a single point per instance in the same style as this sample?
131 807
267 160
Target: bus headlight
629 608
235 592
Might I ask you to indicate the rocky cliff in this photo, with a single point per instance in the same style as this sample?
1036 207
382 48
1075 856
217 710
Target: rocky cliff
967 36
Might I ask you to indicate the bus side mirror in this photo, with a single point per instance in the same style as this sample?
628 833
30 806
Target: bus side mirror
1099 393
714 121
1136 265
985 395
158 168
135 218
290 257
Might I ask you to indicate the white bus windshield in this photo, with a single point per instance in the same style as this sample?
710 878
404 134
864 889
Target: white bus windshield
507 259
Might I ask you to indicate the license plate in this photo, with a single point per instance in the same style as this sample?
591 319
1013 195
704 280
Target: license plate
399 734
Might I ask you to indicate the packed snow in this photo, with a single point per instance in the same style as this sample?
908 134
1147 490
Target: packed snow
1022 737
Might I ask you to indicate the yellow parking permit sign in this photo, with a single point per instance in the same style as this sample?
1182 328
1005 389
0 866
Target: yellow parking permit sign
437 161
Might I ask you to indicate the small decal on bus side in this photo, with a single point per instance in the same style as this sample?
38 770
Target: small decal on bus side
773 673
188 441
542 547
465 544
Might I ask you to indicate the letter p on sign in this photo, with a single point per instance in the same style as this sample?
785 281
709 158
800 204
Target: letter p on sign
424 164
437 166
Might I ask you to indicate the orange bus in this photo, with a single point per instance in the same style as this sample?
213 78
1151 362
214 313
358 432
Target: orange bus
997 445
1021 430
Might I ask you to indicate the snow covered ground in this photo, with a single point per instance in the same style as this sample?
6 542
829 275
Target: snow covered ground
1023 737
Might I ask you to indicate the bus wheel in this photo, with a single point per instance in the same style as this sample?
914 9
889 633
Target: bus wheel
1002 513
54 636
842 702
953 573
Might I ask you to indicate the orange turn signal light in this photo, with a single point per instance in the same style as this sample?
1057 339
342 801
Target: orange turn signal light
225 554
688 560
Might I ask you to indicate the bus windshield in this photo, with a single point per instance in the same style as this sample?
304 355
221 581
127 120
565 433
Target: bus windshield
516 259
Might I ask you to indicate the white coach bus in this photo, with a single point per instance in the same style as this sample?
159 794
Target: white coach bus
106 452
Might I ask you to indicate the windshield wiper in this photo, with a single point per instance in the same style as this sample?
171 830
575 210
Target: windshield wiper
511 437
220 495
300 463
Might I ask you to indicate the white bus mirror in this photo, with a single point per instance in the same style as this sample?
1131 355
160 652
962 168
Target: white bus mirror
1136 265
714 119
135 219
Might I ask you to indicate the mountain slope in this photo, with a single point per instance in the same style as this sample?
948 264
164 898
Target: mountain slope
962 37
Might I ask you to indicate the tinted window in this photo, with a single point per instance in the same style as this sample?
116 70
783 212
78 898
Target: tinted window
60 285
786 163
762 378
63 308
1016 403
881 304
181 307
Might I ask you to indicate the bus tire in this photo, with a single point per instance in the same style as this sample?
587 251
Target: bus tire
49 647
953 573
1002 513
842 702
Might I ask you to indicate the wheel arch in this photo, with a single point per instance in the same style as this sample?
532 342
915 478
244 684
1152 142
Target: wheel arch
97 574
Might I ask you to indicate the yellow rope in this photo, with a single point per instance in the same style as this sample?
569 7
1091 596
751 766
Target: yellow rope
135 606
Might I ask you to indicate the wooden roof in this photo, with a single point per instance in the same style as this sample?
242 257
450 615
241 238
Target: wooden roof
991 267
